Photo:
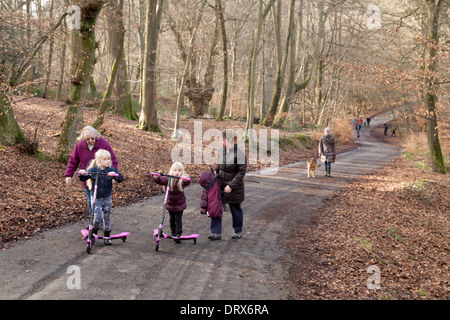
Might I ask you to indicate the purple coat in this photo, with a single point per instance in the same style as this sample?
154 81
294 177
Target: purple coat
81 156
211 201
176 200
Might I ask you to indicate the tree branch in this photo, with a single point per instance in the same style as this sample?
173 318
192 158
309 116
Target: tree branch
15 75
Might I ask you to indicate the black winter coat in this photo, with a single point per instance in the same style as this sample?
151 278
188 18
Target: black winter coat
231 169
104 182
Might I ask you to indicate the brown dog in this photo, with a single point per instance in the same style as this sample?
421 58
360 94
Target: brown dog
312 166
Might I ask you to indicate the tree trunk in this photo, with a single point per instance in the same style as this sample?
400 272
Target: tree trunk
291 51
252 66
124 101
103 105
319 56
200 95
281 67
118 75
62 63
28 32
82 65
429 95
49 63
148 118
223 101
10 132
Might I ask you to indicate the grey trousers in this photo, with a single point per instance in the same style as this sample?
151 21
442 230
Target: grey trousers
103 205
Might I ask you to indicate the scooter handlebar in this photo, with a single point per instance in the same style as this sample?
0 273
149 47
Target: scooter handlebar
168 175
85 173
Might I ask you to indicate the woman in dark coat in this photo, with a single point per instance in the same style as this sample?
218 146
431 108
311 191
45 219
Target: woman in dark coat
231 168
327 150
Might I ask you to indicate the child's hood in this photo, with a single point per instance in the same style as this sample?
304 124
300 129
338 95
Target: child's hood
205 178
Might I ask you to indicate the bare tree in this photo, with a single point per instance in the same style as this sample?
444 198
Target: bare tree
148 118
82 66
50 55
262 13
221 19
15 61
119 75
186 71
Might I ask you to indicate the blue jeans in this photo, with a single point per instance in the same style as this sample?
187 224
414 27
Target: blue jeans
216 225
237 216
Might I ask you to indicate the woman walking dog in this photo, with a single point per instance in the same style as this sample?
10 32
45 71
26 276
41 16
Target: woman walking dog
327 150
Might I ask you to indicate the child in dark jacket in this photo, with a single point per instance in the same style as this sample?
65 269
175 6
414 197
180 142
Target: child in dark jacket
211 202
176 200
103 203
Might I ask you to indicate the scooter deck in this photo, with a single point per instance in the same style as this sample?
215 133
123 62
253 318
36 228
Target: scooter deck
122 235
166 236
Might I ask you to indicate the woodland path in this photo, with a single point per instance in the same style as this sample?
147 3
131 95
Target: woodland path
255 267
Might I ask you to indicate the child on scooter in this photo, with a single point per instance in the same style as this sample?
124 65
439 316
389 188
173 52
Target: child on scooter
176 200
102 164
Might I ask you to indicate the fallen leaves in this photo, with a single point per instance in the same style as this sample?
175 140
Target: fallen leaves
380 220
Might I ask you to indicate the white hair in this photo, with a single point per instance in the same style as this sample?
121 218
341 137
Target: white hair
86 130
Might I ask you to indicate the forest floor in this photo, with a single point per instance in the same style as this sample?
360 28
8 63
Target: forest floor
395 218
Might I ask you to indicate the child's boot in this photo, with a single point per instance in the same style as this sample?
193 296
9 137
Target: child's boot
176 238
107 238
215 236
94 233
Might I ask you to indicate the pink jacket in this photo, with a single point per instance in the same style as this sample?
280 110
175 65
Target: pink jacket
81 156
211 200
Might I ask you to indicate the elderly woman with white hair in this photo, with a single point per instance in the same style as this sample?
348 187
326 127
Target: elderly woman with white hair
89 142
327 150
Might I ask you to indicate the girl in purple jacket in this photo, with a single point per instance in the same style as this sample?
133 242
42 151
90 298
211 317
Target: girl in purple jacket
176 200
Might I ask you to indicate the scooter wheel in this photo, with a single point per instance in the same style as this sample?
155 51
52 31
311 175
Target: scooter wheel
88 249
123 239
157 246
195 241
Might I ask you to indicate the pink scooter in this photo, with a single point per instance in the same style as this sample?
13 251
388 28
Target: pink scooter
87 234
158 234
